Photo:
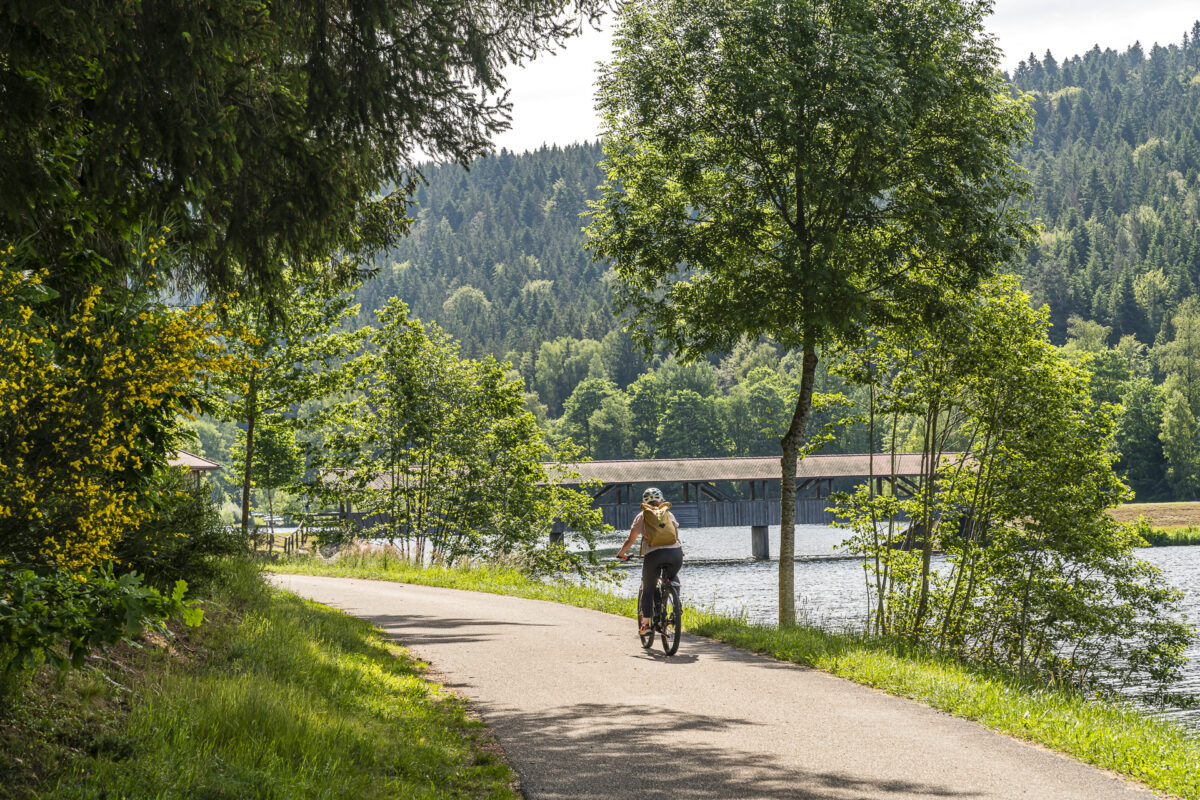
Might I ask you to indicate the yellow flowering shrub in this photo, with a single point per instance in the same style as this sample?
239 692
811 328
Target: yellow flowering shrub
89 399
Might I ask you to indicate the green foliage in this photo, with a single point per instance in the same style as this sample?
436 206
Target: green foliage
286 364
796 237
647 401
1114 159
612 427
1038 577
277 463
584 402
802 172
509 228
1105 214
264 131
1158 537
213 439
182 538
757 413
57 617
445 452
692 426
1181 446
90 400
562 365
1138 439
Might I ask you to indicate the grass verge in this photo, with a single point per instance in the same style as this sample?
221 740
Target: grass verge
1109 735
272 697
1167 537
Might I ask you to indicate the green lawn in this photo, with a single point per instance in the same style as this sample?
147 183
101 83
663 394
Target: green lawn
272 697
1110 735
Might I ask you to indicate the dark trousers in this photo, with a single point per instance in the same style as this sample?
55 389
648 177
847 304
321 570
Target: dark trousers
672 559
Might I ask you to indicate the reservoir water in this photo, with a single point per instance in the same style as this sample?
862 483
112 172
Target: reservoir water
719 573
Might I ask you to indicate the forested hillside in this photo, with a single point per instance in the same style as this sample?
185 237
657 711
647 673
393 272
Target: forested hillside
1115 165
496 255
497 258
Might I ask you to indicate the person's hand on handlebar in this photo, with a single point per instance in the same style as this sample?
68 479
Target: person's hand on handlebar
623 554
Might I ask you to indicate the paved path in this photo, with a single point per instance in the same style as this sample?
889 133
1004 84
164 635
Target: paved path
583 712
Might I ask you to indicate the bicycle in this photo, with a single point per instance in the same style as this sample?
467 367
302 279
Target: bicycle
667 617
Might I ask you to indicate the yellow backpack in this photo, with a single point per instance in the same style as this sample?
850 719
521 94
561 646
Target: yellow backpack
657 528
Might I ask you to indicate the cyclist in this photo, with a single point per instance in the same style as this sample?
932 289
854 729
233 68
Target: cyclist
654 558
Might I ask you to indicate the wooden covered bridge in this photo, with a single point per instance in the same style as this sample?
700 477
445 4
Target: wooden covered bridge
705 497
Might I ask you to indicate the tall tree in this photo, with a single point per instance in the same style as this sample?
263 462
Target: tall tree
647 400
797 170
282 361
1142 458
585 401
692 427
1180 358
264 131
1036 576
1180 438
612 427
278 461
444 449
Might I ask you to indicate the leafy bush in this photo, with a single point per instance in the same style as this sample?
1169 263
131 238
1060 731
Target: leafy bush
182 536
55 616
1035 576
90 397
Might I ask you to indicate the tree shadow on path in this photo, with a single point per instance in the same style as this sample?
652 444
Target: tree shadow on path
598 752
417 629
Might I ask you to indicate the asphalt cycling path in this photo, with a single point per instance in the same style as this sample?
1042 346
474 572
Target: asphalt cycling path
583 712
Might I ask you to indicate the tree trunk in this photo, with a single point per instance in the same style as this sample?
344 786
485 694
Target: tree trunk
250 413
1025 607
790 445
929 458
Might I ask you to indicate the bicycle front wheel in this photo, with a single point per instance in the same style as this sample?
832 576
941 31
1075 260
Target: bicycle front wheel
672 619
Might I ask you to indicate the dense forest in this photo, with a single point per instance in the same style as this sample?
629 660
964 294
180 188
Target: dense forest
1115 164
497 258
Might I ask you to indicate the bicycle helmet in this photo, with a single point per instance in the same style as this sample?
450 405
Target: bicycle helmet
652 495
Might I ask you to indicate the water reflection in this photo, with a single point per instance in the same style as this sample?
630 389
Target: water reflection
831 584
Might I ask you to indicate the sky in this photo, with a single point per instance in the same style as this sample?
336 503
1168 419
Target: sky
552 96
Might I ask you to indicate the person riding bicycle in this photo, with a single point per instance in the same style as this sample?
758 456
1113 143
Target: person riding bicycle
669 556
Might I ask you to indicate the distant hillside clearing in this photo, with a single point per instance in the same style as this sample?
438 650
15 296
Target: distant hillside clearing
1167 516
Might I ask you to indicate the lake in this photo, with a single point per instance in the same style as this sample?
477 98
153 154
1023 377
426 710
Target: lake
719 573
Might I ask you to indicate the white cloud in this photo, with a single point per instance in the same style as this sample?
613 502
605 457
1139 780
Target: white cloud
553 96
1071 27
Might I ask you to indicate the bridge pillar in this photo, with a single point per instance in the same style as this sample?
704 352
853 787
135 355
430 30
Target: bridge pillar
557 531
760 543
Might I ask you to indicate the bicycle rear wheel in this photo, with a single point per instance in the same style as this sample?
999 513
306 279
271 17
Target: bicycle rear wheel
672 618
647 637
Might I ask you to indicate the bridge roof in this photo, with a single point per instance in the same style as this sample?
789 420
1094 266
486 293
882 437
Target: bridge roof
182 458
693 470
